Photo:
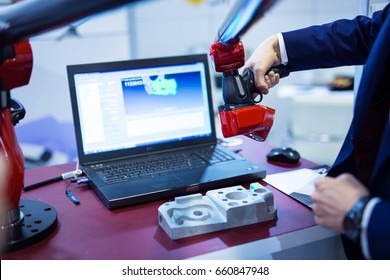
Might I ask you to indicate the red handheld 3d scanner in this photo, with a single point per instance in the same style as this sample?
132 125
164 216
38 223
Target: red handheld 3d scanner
240 115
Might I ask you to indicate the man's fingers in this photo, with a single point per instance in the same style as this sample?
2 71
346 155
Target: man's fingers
273 78
262 84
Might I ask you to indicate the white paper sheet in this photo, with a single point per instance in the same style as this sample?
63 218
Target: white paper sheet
298 184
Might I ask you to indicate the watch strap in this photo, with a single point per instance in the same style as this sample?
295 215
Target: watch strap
353 218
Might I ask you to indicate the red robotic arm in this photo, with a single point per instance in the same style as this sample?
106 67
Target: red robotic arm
240 114
18 22
15 70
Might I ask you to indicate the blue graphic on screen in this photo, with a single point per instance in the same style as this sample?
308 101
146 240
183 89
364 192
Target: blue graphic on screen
178 91
159 85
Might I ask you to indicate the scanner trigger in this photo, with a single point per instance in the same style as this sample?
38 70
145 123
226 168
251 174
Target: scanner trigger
249 81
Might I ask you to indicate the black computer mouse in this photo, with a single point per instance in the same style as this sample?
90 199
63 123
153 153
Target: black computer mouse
283 155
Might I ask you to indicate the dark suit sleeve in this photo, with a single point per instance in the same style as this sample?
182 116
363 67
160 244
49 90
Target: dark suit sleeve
340 43
378 231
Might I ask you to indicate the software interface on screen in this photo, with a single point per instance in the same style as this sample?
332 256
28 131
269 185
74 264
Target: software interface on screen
130 108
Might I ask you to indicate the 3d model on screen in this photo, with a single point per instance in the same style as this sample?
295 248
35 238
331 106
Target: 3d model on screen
160 85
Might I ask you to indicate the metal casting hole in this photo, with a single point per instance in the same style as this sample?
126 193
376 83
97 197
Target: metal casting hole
233 204
237 195
198 213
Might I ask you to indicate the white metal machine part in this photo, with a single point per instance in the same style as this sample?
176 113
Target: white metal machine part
217 210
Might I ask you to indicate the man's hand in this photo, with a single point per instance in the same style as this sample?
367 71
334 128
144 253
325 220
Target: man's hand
333 198
266 55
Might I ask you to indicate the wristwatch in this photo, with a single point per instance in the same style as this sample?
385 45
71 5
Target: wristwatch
353 218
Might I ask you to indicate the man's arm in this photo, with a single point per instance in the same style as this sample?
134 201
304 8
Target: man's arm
334 197
340 43
375 230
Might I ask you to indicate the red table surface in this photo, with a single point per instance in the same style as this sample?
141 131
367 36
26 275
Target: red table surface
90 231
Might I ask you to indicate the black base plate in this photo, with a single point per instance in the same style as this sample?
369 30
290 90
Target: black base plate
39 220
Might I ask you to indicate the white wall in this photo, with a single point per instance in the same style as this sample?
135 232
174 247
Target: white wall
173 27
161 28
103 37
158 28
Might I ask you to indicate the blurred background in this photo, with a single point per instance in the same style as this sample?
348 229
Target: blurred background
313 108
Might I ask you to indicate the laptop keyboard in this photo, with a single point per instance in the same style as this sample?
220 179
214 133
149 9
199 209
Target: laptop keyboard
147 168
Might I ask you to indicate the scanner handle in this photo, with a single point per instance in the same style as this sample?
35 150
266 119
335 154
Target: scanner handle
249 80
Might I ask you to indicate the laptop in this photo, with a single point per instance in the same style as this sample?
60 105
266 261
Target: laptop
155 115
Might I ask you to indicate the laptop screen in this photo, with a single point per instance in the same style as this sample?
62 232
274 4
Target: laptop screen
141 103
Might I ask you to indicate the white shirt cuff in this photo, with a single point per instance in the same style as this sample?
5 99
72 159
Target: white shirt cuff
364 224
282 48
